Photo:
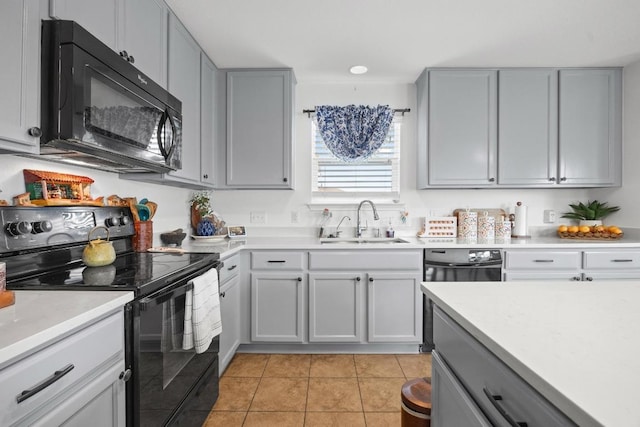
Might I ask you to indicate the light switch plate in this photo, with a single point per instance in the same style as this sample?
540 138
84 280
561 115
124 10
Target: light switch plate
549 216
258 217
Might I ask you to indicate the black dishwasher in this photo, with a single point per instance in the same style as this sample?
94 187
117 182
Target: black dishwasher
456 265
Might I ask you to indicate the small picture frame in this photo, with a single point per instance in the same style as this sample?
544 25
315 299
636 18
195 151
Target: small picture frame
237 232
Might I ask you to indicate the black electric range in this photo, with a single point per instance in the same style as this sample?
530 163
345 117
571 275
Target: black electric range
166 383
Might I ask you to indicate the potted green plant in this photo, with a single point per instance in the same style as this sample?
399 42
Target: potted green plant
200 204
590 213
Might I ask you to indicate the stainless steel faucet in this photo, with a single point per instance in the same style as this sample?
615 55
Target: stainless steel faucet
338 231
359 227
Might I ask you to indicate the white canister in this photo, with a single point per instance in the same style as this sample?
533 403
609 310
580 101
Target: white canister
503 229
468 224
486 226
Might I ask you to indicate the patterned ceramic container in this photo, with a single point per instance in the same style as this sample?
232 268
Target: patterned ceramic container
486 226
468 224
503 229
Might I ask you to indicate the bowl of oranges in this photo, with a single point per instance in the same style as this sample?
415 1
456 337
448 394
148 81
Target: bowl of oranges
590 232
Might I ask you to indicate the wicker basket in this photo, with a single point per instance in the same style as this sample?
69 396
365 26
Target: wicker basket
590 236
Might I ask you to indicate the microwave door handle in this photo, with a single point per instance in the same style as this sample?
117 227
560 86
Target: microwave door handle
161 143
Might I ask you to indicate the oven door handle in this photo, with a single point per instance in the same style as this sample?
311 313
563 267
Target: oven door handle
164 296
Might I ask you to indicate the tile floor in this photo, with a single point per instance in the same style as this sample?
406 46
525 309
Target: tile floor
315 389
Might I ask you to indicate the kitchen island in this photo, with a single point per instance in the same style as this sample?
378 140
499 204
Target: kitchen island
574 343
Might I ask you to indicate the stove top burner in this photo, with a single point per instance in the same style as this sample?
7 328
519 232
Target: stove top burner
138 272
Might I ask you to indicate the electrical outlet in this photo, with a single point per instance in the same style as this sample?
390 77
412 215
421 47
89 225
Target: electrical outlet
549 216
258 217
295 218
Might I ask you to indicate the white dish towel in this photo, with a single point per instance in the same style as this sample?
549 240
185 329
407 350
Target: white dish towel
202 319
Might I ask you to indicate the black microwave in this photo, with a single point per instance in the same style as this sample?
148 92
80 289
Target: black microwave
100 111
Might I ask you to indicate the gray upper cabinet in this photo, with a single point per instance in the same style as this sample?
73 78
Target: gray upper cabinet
259 124
590 133
138 28
208 118
528 127
20 77
461 127
519 128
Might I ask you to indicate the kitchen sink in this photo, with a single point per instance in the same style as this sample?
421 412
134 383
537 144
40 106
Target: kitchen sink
363 240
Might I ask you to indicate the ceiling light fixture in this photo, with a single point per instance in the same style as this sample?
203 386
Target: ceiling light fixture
358 69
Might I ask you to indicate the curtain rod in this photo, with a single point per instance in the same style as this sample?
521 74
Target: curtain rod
395 110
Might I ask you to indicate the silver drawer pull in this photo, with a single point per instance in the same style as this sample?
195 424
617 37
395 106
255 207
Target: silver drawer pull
621 260
494 398
542 260
44 384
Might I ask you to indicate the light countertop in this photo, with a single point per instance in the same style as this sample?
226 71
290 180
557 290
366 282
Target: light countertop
39 317
576 343
228 247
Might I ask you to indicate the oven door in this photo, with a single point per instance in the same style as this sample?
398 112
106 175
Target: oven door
165 376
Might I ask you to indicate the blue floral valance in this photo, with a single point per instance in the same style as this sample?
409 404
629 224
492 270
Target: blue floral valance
354 132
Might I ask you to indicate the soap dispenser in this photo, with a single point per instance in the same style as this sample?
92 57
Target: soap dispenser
390 231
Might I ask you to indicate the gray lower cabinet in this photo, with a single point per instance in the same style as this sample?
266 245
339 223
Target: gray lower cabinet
336 304
394 307
90 392
351 292
259 129
277 306
230 311
590 127
20 82
473 377
451 404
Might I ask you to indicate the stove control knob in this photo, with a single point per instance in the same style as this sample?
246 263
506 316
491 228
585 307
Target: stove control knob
19 228
112 221
124 220
42 226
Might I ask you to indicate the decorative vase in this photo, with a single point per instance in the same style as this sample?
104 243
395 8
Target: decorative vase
590 222
206 228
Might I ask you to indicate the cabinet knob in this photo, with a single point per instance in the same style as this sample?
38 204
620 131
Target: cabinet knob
131 59
575 278
564 178
222 294
299 279
125 375
492 179
285 179
371 279
35 131
357 279
552 179
589 279
205 176
123 53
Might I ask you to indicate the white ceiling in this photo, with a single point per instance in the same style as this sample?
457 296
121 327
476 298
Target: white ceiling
397 39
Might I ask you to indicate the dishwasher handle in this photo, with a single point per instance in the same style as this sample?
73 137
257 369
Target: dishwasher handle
485 264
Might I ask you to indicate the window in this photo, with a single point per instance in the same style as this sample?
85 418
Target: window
378 175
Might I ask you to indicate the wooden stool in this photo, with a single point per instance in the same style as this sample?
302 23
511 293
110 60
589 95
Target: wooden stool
416 403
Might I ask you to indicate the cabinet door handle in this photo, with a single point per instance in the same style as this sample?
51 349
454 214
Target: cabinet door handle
492 179
358 279
285 179
542 260
588 279
552 179
564 178
276 261
494 398
621 260
575 278
371 279
44 384
233 267
222 294
299 279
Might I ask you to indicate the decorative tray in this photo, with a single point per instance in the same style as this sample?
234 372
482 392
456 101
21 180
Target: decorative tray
209 238
590 236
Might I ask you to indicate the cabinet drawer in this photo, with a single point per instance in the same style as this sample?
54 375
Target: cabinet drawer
85 350
289 260
618 260
231 268
366 260
542 260
482 373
